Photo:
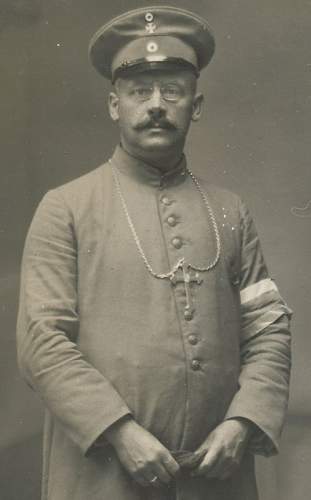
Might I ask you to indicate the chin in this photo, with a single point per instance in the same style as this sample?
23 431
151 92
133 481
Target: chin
158 145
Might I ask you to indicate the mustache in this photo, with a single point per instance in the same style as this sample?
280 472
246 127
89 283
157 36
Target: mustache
152 122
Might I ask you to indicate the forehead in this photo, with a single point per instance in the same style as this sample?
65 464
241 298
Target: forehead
181 77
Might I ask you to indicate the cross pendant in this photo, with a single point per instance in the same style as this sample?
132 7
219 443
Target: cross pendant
187 277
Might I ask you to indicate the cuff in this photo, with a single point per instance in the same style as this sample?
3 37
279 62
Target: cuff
99 439
260 442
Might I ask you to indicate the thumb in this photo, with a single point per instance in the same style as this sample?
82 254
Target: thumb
208 462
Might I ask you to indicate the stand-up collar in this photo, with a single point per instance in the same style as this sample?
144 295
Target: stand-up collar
146 173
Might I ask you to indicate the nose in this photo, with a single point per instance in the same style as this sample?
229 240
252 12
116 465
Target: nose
156 104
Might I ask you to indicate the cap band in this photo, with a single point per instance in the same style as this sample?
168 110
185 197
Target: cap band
144 65
153 49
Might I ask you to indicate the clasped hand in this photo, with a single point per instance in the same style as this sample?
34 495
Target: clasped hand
224 447
141 454
150 463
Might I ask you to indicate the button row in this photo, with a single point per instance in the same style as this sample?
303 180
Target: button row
172 221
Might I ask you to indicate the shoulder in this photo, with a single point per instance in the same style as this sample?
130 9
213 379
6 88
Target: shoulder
82 186
231 212
67 203
220 198
76 195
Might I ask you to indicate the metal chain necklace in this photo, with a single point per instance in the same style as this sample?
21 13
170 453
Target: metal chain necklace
187 278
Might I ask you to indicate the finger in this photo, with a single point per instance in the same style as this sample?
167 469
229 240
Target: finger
154 481
216 470
171 466
225 475
140 479
229 470
223 468
207 463
162 474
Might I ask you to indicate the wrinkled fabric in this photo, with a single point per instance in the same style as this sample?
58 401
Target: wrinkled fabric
99 337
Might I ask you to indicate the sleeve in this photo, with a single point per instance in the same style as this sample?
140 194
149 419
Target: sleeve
263 391
80 397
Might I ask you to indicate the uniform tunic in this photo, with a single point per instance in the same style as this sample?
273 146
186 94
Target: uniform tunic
99 337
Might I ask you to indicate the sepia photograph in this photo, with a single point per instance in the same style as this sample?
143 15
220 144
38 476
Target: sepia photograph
155 250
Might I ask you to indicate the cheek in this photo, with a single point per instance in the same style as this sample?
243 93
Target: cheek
183 117
129 113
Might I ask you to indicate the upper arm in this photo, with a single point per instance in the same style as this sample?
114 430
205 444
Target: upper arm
261 302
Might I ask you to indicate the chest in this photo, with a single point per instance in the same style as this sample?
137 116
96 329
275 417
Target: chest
140 226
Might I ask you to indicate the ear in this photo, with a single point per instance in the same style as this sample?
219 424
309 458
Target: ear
197 107
113 105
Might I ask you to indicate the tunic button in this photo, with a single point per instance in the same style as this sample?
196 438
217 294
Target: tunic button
171 220
188 315
165 200
193 340
195 364
177 242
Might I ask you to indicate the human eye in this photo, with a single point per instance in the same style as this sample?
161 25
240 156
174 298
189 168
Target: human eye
142 92
171 92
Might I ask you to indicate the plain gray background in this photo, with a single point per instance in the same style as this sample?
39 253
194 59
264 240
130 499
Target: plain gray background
253 138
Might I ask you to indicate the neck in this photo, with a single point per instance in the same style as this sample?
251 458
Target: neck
165 161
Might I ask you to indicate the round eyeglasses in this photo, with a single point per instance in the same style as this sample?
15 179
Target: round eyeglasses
170 92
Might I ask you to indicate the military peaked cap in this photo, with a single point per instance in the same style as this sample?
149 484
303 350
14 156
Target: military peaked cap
150 37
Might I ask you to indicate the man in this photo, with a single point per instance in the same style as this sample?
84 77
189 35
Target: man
148 323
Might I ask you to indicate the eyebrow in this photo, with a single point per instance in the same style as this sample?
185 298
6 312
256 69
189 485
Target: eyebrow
142 81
